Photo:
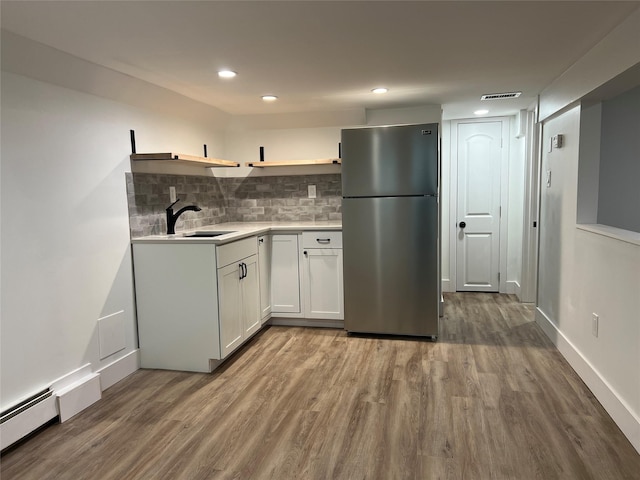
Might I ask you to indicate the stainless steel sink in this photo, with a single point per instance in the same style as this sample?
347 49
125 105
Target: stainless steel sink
205 233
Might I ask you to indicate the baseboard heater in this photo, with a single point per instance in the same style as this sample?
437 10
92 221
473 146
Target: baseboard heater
25 417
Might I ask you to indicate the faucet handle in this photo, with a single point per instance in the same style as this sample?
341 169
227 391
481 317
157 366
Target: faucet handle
171 206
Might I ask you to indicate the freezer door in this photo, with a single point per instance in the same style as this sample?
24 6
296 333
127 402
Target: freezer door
390 161
390 248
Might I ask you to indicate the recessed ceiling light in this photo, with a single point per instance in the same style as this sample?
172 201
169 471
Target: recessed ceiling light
226 74
481 112
269 98
380 90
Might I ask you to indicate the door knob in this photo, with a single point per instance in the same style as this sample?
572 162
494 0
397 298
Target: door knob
462 224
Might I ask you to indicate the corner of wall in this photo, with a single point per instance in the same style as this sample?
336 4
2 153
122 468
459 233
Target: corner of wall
620 411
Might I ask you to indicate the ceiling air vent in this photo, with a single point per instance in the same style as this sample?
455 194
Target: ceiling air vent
500 96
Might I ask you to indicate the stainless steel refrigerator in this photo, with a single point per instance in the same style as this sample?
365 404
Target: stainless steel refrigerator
390 229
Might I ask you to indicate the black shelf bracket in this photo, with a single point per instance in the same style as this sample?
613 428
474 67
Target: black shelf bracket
262 154
133 141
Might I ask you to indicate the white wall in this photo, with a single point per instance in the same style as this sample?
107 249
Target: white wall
589 166
619 192
584 272
515 208
446 217
65 237
306 136
616 53
581 273
282 145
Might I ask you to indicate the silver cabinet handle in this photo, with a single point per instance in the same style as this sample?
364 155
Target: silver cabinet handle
323 240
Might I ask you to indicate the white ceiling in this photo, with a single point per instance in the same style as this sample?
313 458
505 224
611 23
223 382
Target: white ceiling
328 55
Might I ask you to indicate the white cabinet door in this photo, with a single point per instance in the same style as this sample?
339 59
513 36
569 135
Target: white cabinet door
250 297
324 296
264 274
285 274
230 300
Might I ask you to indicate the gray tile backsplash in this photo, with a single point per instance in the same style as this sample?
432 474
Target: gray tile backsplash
249 199
283 198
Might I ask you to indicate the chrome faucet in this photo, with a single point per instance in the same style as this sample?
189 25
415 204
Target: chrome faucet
173 218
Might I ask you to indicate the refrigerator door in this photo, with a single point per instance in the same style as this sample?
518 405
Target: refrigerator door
390 161
390 248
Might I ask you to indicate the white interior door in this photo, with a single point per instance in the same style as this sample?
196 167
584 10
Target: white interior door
479 147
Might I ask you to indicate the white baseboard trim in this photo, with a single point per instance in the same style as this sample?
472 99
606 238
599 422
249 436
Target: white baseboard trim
119 369
26 422
71 378
72 393
615 406
446 285
513 288
78 396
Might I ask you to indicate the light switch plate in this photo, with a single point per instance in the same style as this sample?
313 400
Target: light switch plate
312 191
172 194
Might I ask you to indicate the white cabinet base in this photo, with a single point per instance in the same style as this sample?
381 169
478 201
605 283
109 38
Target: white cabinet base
306 322
177 305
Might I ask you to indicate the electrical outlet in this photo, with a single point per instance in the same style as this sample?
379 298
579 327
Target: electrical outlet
594 324
172 194
312 191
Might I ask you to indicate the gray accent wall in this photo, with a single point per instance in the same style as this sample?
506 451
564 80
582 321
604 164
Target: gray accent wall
248 199
619 179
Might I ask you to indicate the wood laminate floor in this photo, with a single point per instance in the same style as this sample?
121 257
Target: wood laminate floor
492 399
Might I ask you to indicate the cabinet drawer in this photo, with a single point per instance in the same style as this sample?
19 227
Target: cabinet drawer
321 239
232 252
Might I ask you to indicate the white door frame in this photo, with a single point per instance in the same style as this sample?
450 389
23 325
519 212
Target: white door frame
504 197
531 221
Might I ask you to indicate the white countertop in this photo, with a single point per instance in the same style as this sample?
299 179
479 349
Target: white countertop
239 230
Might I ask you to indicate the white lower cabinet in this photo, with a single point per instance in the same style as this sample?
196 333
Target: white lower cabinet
198 302
285 274
231 327
322 275
323 295
238 294
177 305
250 289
